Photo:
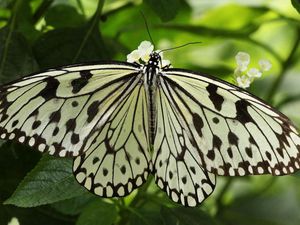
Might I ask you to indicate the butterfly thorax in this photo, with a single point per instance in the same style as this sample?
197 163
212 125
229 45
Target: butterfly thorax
151 71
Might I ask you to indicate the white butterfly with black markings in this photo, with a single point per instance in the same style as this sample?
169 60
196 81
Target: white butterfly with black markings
125 120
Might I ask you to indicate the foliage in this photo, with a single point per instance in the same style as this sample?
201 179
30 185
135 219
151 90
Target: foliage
36 35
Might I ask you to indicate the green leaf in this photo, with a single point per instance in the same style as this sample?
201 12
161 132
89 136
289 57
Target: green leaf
149 216
296 4
65 46
33 216
73 206
98 213
15 162
24 23
221 17
16 58
280 205
166 10
185 216
62 15
50 181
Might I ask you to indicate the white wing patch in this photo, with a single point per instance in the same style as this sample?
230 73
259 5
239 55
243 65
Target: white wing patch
117 158
176 169
235 133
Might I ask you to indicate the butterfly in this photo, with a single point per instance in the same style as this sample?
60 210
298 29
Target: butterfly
122 121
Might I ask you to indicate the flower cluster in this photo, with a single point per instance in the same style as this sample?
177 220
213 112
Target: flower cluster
244 76
142 54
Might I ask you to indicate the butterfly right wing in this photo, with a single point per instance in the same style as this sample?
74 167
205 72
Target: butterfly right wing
176 169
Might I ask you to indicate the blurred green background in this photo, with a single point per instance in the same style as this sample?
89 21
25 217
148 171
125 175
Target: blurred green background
40 34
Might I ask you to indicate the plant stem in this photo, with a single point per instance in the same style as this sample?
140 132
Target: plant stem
41 10
219 198
137 201
288 100
285 66
79 3
11 27
95 21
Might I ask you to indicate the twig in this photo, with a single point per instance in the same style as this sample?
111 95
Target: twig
285 66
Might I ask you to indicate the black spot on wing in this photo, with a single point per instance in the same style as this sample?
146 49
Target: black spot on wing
55 131
74 138
80 82
36 124
280 151
74 103
216 120
249 152
71 124
55 117
216 99
233 139
137 161
49 91
4 117
15 123
198 123
123 169
217 142
92 111
230 153
242 114
192 168
211 154
105 171
269 156
95 160
184 180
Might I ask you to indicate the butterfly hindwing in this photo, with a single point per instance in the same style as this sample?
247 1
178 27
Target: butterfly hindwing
176 169
117 160
235 133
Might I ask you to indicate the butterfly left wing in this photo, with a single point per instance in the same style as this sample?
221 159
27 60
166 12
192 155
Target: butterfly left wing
234 132
56 110
117 160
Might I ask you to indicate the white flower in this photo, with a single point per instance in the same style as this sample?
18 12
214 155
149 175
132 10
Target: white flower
13 221
265 65
243 81
253 72
134 56
145 49
143 53
242 60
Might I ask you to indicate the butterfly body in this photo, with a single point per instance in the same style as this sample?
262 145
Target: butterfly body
151 73
123 121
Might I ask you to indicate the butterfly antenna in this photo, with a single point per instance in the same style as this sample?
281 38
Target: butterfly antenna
147 27
180 46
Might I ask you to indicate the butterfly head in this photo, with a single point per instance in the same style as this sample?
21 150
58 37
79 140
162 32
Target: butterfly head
155 59
146 56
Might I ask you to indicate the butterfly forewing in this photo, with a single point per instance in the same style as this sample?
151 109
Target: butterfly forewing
235 133
56 111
